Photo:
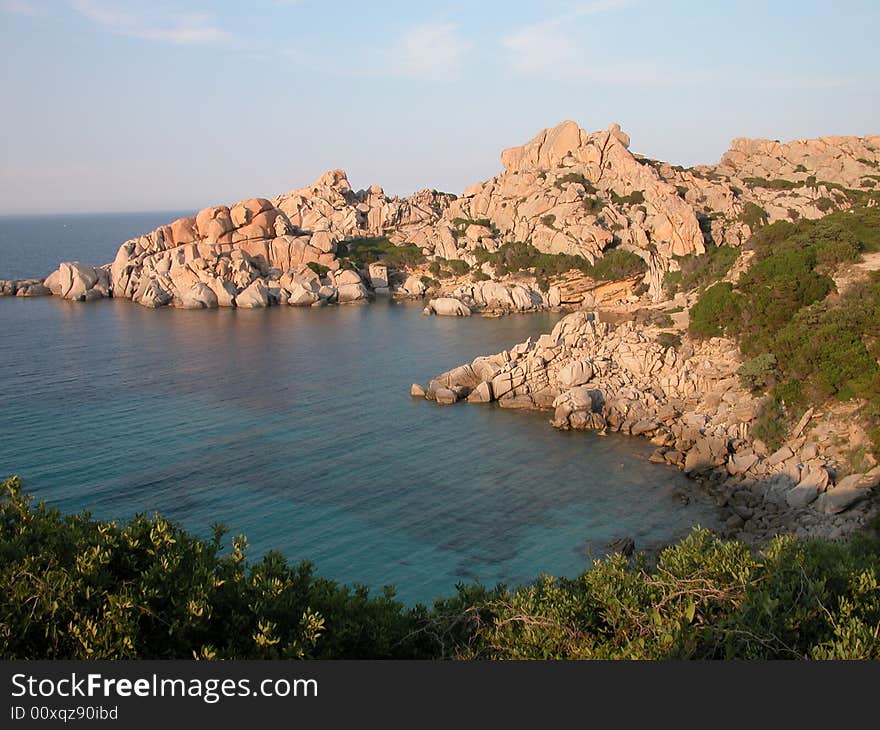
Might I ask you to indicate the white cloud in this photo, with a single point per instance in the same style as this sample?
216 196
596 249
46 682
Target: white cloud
550 48
27 8
432 51
177 28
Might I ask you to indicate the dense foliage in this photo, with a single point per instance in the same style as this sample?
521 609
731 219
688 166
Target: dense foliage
806 342
363 251
696 272
74 587
512 258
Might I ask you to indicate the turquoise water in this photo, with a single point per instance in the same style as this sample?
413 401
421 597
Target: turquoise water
296 427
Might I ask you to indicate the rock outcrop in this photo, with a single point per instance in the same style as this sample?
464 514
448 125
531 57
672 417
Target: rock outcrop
686 399
566 191
24 288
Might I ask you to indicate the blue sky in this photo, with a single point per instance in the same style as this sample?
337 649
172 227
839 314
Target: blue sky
123 105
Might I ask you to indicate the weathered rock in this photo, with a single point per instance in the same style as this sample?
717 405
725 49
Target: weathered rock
482 393
576 373
851 490
200 296
255 296
447 307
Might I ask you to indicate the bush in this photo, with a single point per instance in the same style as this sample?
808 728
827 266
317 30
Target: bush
512 258
363 251
636 197
771 423
777 184
754 216
716 312
697 272
452 267
817 347
759 373
77 588
576 178
319 269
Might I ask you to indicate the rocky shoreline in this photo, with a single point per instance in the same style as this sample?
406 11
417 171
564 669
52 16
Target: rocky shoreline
533 238
688 401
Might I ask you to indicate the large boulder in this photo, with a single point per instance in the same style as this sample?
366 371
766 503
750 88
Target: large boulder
447 307
575 373
74 281
851 490
255 296
200 296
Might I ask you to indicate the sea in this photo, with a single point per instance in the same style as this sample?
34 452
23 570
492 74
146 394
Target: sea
295 427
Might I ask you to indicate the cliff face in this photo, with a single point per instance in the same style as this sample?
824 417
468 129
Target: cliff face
566 191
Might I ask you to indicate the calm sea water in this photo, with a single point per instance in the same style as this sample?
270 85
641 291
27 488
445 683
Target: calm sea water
296 427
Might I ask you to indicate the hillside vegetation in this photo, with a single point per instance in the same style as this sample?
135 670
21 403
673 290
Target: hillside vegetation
76 588
806 341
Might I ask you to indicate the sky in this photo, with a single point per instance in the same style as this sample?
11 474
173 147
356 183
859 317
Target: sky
117 105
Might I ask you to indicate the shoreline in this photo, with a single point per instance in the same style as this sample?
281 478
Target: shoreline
698 420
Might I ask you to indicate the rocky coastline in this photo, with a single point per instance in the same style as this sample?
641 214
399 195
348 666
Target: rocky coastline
570 196
687 399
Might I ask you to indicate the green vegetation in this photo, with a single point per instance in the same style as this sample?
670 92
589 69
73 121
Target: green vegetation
697 272
754 216
448 268
776 184
77 588
363 251
806 346
636 197
759 373
715 312
319 269
669 339
576 178
592 205
512 258
549 221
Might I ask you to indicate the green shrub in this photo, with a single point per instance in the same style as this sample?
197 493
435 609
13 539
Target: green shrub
636 197
78 588
319 269
754 216
512 258
777 184
716 312
363 251
669 339
455 267
771 424
576 178
697 272
759 373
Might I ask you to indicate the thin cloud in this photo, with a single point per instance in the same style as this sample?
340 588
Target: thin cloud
177 28
551 49
431 52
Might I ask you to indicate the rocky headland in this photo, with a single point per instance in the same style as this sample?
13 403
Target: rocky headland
575 222
566 193
688 400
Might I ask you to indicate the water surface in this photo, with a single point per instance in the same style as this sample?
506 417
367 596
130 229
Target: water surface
295 426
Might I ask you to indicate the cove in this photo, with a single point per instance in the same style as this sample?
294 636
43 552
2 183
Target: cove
296 428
